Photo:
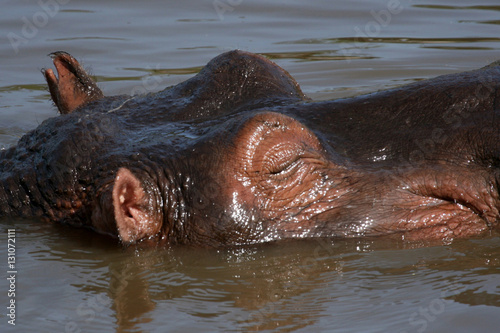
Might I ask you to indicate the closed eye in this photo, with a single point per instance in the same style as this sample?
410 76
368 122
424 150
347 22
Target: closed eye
281 159
284 167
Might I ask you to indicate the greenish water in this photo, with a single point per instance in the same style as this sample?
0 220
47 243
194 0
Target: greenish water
71 280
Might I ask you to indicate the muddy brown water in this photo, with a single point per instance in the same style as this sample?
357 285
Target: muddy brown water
70 280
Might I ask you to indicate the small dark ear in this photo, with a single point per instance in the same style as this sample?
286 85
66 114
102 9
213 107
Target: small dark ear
133 217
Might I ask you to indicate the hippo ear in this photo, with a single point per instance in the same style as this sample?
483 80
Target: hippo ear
132 214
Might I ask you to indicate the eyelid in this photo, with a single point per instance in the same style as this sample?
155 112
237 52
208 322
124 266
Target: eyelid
285 166
281 158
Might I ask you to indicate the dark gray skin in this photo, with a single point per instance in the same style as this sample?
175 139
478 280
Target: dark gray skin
238 155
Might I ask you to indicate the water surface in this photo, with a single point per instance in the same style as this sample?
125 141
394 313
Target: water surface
75 281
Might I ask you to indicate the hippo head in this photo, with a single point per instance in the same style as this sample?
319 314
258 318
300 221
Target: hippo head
239 155
266 176
258 177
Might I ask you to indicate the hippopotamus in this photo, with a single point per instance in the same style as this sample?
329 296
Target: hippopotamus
239 155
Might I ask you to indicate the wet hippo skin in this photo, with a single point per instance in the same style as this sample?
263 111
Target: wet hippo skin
239 155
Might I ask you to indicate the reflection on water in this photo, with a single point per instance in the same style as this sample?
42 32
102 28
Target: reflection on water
288 286
399 40
75 281
495 8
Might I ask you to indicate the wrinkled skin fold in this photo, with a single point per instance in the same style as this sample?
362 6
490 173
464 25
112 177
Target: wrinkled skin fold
239 155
